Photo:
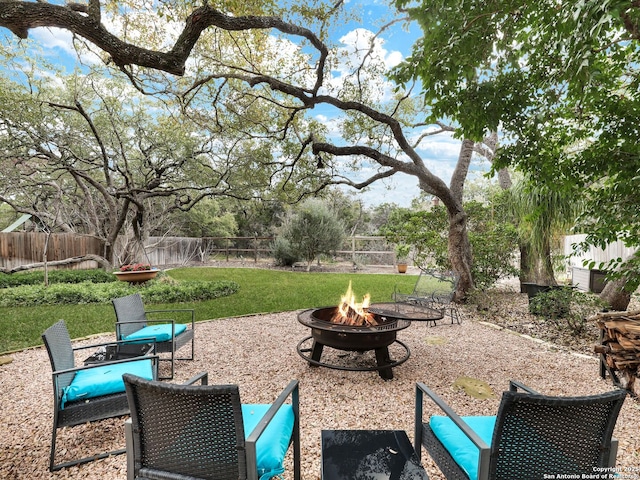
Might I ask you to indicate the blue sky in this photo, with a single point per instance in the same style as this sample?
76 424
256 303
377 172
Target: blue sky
440 152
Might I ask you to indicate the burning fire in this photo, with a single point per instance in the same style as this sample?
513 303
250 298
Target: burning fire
349 312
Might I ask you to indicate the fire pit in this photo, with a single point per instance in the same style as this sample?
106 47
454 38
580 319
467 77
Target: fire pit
377 335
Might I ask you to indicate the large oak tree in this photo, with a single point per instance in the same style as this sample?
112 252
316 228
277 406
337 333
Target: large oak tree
273 60
560 79
90 156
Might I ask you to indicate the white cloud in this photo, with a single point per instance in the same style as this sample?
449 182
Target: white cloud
54 38
361 47
58 44
440 148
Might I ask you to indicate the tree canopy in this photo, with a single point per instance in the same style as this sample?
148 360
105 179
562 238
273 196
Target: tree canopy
268 66
560 80
90 155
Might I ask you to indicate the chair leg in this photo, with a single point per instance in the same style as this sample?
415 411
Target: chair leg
52 456
128 436
170 360
193 351
173 358
454 316
53 467
295 401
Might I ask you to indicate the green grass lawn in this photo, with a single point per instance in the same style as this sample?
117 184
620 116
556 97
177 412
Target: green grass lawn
261 291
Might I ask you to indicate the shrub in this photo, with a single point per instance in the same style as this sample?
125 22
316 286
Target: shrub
55 276
313 229
83 293
553 304
493 239
566 308
283 253
135 267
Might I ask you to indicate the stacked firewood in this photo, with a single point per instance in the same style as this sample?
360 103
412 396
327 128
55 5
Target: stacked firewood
620 346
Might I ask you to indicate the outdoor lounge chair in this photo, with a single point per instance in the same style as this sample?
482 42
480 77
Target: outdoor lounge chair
433 289
532 436
133 323
89 393
198 432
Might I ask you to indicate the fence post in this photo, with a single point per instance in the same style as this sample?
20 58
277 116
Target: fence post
353 249
255 248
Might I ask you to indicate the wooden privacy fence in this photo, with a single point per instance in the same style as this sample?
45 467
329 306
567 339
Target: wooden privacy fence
369 250
20 248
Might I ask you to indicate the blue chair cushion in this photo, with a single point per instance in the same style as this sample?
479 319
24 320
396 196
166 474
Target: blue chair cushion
104 380
272 445
463 450
161 332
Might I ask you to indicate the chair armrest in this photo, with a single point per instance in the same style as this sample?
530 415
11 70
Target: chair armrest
422 389
179 310
103 364
148 321
203 377
112 342
514 385
290 390
155 320
172 310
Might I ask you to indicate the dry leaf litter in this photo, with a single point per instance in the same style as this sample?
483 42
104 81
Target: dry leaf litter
259 354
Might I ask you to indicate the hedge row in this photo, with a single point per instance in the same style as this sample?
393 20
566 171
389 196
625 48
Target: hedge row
155 291
17 279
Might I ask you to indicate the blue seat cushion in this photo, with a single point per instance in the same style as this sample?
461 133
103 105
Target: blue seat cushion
272 445
161 332
104 380
463 450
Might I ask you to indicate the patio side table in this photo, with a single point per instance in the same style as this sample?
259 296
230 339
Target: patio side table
120 352
364 454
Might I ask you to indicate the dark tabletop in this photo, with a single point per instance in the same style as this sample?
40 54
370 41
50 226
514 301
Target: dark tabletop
369 455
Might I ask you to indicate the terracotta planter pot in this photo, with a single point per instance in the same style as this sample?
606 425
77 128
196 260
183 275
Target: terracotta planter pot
402 268
139 276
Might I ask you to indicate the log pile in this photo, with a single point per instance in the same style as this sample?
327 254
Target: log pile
619 347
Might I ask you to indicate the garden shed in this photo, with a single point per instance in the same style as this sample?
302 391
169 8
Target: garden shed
584 278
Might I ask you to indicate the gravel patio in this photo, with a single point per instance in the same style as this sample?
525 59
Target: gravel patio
259 354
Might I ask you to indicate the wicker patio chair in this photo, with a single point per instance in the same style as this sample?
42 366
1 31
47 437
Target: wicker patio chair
198 432
77 397
433 289
532 436
133 322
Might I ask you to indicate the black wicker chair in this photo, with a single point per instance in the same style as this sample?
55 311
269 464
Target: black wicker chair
198 432
532 436
433 289
132 320
73 405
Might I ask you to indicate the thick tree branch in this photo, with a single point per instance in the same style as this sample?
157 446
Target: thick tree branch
20 17
367 182
103 262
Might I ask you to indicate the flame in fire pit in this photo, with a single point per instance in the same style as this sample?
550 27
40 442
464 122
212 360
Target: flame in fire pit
349 312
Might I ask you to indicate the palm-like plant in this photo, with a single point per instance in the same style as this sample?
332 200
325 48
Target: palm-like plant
543 214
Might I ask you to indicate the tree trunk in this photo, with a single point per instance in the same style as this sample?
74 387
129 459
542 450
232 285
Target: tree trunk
69 261
546 276
460 253
459 247
527 272
534 269
615 295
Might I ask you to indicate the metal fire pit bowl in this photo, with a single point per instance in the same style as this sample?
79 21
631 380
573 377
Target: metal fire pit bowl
352 338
